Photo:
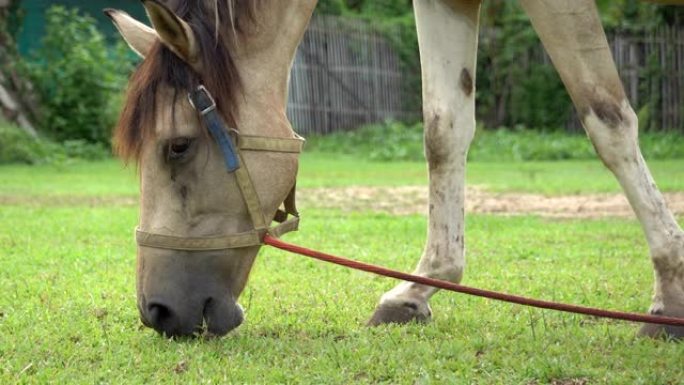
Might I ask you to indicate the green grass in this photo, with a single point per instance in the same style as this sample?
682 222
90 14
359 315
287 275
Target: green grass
110 178
69 312
67 291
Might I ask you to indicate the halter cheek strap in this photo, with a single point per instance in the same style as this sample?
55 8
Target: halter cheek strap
287 218
201 100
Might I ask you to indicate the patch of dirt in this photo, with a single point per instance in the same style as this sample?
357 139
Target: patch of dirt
407 200
181 367
68 201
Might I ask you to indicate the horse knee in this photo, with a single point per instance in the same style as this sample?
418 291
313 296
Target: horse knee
612 126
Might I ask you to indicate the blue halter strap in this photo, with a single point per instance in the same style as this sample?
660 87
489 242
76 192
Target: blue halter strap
205 105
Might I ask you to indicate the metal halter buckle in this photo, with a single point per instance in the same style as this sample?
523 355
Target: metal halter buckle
208 109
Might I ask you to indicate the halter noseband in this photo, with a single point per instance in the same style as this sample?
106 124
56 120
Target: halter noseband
202 101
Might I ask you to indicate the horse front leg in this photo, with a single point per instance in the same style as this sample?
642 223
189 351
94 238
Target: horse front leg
447 35
572 34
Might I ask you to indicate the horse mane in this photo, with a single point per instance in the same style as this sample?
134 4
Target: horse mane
162 68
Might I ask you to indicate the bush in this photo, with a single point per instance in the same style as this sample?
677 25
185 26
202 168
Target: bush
394 141
383 142
16 146
77 78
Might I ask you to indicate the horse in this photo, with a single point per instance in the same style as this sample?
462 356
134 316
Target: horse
205 120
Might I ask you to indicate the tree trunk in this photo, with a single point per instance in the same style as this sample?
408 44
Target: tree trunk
16 103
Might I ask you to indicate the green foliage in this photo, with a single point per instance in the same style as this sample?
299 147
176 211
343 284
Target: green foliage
16 146
77 77
380 8
401 33
84 150
517 85
389 141
637 15
394 19
386 8
395 141
331 7
15 18
526 145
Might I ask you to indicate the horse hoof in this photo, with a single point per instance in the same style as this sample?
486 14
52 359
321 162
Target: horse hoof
662 331
400 312
665 331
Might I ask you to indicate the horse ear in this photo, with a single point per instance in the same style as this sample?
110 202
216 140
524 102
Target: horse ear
173 31
138 36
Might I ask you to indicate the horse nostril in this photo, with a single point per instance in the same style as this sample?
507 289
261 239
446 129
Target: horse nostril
219 316
207 304
222 316
161 318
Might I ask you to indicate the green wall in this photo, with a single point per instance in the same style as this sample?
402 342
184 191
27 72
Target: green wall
34 11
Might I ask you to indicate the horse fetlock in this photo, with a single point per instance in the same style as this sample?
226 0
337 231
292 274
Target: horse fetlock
451 274
668 260
669 292
667 306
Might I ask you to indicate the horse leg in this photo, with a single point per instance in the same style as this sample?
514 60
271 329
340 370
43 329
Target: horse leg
574 38
447 35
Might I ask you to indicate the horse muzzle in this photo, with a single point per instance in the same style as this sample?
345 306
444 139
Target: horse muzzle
212 315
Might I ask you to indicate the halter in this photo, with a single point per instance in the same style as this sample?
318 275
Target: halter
202 101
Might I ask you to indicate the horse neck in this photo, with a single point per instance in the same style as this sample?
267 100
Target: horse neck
264 62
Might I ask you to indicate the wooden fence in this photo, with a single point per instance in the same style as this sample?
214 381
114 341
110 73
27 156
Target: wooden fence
651 66
346 74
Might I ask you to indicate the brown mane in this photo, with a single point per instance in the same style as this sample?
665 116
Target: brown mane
162 68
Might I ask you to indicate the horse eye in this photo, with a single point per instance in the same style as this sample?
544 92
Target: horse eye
178 147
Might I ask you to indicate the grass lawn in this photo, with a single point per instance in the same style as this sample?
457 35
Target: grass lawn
67 290
110 178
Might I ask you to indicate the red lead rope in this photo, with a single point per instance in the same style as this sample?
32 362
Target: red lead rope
635 317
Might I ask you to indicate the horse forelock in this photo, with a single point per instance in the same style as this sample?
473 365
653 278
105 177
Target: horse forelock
217 25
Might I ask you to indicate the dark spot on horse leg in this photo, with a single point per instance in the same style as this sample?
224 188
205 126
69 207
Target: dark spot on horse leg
183 193
607 110
466 82
433 153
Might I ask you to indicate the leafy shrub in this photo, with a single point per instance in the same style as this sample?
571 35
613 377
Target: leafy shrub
662 145
16 146
331 7
516 82
393 141
81 149
77 77
384 142
522 145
